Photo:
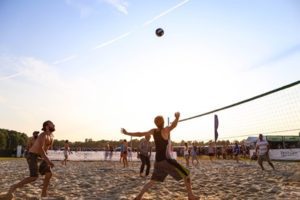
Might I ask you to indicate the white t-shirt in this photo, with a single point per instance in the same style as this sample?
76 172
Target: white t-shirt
262 146
186 151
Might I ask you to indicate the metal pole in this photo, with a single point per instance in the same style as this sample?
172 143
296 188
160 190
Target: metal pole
131 148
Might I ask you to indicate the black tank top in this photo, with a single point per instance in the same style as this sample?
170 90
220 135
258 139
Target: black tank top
160 146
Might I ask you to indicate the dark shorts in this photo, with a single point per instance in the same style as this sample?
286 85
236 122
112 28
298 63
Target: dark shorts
211 154
34 169
264 157
124 154
169 167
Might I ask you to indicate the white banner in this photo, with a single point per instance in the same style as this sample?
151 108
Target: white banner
282 154
19 151
96 155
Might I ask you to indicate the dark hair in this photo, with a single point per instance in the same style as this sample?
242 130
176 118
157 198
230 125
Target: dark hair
35 132
45 124
67 141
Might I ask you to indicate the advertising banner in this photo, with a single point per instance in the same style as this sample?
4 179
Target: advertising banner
283 154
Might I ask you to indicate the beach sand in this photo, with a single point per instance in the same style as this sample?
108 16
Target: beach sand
220 179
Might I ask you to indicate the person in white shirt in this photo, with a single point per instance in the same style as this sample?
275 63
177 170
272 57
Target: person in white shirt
262 150
186 154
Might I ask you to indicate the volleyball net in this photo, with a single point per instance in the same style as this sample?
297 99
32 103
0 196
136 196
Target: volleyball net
276 112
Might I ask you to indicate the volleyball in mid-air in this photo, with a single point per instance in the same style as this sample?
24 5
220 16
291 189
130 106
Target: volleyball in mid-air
159 32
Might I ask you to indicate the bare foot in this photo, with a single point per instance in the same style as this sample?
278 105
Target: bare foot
138 198
192 197
8 196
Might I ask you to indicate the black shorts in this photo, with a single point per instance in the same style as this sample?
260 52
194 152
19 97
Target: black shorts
169 167
34 169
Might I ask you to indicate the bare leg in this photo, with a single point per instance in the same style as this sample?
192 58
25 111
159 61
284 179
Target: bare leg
48 175
271 164
146 187
126 162
187 161
269 161
20 184
260 164
188 186
237 158
124 165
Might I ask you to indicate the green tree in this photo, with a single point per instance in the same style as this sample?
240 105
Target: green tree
3 140
10 139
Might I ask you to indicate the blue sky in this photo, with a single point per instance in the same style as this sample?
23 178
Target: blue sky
95 66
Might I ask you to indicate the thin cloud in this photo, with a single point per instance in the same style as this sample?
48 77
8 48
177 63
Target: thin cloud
112 41
31 69
165 12
279 56
10 76
120 5
85 10
66 59
145 24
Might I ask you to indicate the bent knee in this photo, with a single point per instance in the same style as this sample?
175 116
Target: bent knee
48 174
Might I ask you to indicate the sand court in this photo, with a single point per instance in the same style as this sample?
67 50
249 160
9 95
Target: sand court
109 180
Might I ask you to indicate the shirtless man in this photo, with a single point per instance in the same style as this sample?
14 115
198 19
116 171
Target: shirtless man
39 149
163 166
31 141
66 152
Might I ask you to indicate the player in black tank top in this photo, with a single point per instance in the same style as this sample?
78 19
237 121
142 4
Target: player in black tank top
160 146
164 165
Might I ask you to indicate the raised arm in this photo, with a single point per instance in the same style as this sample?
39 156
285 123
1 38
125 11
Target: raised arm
137 134
175 122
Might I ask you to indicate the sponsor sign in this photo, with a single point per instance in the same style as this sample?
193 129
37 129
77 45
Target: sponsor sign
282 154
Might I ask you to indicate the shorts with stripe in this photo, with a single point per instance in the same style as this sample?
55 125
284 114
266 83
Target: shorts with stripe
169 167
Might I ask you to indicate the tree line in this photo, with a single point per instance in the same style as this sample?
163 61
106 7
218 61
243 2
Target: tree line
10 139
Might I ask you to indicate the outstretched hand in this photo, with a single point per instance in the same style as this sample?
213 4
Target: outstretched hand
177 115
123 130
